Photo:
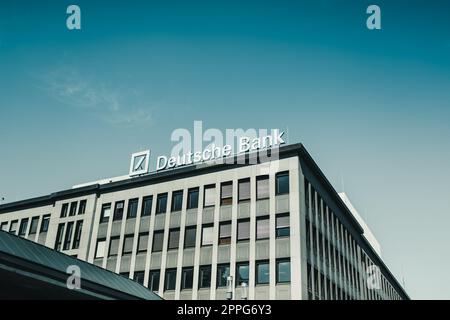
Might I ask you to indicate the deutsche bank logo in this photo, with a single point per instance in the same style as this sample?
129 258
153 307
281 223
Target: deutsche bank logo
139 163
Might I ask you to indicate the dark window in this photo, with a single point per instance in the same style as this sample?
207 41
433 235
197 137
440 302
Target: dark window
262 272
73 209
262 228
282 225
128 244
153 280
142 242
177 200
68 237
244 189
209 198
170 280
64 209
207 235
158 238
242 273
125 274
243 231
114 246
78 231
106 213
139 277
283 270
223 271
189 237
262 187
118 210
82 207
204 277
161 203
225 232
187 276
192 198
100 249
45 223
34 225
13 226
282 183
59 236
147 206
174 238
132 208
226 193
23 227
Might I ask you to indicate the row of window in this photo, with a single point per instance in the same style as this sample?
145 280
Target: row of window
209 196
68 235
71 209
23 226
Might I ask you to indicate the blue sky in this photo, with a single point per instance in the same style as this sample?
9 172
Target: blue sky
372 107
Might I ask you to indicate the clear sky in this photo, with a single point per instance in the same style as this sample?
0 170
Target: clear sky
372 107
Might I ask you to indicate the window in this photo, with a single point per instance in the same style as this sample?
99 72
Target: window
118 211
262 272
262 187
68 237
100 250
114 246
158 238
170 280
45 223
139 277
207 235
106 213
34 225
128 244
189 237
174 238
242 273
223 272
73 208
142 242
4 226
23 227
161 203
282 225
125 274
78 231
187 277
282 183
209 196
244 190
146 206
82 207
132 208
225 232
64 210
177 200
153 280
204 277
243 232
192 198
13 226
59 236
226 193
283 270
262 228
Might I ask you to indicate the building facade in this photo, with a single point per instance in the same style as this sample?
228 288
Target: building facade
276 225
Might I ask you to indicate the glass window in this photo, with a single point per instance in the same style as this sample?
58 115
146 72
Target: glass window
114 246
23 227
100 250
142 242
225 232
128 244
283 270
192 198
4 226
45 223
244 189
158 238
204 277
262 187
153 280
13 226
73 209
118 211
106 213
147 206
262 272
82 207
64 209
226 193
139 277
262 228
243 229
132 208
174 238
177 200
187 277
207 235
170 280
161 203
78 231
189 237
282 225
59 237
282 183
34 225
68 237
209 196
242 273
223 272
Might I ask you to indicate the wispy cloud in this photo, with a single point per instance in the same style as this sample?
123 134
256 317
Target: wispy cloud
114 105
